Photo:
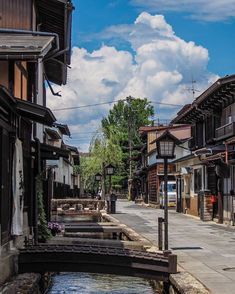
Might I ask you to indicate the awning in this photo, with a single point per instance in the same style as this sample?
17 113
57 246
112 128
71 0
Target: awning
63 128
35 112
53 133
186 157
32 111
52 152
215 157
185 170
24 46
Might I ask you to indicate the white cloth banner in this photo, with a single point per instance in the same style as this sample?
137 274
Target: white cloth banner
17 189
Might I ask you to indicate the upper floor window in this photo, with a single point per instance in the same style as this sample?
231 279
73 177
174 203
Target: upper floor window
228 115
18 78
4 74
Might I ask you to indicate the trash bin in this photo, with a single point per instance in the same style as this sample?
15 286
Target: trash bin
113 199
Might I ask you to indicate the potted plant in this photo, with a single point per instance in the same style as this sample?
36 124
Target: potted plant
55 228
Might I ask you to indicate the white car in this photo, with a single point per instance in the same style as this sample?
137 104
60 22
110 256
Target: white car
171 193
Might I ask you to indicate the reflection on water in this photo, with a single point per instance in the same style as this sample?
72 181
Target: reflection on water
85 283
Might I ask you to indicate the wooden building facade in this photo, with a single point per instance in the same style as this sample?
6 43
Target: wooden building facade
209 181
33 48
151 170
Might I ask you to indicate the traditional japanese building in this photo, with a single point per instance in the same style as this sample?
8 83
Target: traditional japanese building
208 176
34 48
151 170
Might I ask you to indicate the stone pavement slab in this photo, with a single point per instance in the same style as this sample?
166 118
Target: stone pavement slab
204 249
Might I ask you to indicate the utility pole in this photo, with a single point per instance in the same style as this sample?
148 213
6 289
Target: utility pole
129 99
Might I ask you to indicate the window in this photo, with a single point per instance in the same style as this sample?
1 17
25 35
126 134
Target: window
182 185
187 185
4 74
171 187
197 180
20 80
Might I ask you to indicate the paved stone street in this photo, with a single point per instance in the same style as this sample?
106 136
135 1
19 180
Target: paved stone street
204 249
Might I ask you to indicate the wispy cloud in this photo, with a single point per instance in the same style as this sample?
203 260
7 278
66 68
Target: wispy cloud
206 10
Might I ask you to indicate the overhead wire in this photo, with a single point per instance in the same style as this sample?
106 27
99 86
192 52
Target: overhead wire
109 102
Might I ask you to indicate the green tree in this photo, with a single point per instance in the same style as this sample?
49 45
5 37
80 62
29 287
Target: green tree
123 123
102 151
112 142
125 119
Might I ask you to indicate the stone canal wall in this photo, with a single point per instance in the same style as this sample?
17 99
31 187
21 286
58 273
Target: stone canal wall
22 284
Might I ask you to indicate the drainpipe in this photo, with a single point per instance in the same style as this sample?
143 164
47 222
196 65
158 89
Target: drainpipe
37 172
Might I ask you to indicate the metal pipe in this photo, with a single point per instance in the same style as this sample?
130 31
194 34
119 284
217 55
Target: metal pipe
165 205
160 221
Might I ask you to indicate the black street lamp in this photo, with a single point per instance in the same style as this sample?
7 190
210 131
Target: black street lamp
166 149
98 177
109 170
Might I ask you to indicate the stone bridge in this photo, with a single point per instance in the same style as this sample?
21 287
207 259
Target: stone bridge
98 259
76 204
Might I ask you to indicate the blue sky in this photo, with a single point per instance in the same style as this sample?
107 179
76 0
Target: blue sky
217 36
143 48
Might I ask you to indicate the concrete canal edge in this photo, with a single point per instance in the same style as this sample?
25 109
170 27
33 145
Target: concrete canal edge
184 283
180 283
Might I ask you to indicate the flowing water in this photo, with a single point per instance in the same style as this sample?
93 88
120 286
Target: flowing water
86 283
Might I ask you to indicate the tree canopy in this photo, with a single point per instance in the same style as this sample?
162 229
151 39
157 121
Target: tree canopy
125 119
111 144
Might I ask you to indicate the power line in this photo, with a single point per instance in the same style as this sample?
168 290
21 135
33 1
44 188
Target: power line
109 102
168 104
89 105
94 132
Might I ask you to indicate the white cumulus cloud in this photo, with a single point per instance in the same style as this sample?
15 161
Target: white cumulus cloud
161 68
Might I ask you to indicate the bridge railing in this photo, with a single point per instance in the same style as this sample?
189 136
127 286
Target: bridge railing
76 205
97 258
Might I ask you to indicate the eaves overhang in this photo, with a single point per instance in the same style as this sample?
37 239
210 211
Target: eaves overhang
26 45
216 97
26 109
35 112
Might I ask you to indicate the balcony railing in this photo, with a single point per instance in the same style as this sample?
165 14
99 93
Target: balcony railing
225 131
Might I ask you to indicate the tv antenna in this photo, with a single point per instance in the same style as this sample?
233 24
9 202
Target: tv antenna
192 89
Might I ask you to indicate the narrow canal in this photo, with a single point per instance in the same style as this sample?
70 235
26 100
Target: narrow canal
86 283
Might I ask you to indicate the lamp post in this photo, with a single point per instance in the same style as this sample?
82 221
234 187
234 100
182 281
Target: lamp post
109 170
98 177
165 149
